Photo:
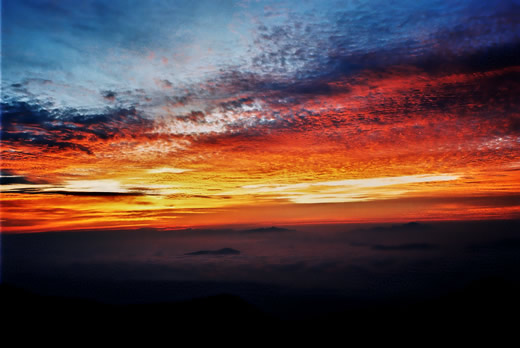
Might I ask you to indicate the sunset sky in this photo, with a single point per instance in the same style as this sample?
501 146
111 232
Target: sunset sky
175 114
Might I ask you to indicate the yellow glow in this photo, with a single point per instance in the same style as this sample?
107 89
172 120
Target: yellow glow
106 185
350 190
168 170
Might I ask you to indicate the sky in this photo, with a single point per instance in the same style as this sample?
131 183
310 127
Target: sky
176 114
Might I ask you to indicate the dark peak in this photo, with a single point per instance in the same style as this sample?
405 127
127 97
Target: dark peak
413 225
409 226
267 229
223 251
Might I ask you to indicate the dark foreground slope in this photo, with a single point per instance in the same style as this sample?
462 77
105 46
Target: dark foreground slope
487 309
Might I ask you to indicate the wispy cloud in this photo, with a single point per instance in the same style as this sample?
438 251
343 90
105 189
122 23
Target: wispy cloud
350 190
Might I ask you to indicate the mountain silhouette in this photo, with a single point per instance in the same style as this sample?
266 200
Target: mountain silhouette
267 230
223 251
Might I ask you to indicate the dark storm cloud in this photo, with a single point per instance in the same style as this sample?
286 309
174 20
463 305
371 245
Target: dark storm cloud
42 141
36 190
35 126
23 114
494 57
109 95
8 178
